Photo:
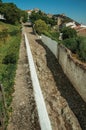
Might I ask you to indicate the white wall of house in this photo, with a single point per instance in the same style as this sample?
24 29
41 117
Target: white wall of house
84 26
70 24
2 16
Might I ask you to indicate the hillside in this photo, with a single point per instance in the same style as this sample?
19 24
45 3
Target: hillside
12 14
65 18
9 50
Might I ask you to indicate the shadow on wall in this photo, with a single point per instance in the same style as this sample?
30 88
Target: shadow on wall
76 103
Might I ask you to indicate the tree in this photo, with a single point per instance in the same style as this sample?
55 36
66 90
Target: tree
0 1
34 16
40 15
40 26
69 33
11 13
24 16
71 44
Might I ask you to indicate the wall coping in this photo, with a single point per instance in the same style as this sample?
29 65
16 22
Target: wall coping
75 60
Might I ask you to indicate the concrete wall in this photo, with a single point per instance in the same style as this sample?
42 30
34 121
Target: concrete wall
51 44
75 70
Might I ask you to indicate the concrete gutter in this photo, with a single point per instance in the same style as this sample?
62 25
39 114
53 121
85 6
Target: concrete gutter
41 107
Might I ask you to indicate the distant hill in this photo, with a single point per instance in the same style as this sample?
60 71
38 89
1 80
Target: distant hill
64 18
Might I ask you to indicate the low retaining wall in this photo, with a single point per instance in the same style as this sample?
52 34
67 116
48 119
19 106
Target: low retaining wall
75 70
51 44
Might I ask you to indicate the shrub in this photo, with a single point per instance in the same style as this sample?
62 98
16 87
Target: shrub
82 48
68 33
55 35
4 34
40 26
10 58
14 32
52 35
77 45
71 44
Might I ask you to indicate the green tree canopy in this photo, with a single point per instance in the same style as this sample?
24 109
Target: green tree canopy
40 26
40 15
0 1
71 43
69 33
11 13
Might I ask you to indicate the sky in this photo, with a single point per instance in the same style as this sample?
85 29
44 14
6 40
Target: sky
75 9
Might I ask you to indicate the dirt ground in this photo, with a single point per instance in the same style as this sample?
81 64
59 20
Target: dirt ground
24 115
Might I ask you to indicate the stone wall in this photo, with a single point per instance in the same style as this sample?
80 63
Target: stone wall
74 69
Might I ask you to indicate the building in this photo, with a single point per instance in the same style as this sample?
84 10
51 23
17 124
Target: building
29 12
82 25
2 17
36 10
49 15
70 24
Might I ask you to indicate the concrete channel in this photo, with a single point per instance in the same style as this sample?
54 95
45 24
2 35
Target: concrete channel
41 107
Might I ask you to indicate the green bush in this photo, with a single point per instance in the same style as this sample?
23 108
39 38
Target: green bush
68 33
71 44
4 34
52 35
82 48
77 45
10 58
40 15
47 33
14 32
40 26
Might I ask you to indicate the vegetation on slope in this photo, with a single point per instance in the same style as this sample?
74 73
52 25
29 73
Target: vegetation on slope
75 43
44 25
12 13
9 51
41 15
10 36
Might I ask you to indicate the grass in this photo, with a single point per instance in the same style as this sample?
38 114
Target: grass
8 69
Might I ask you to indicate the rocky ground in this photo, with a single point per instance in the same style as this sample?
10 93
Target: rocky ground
59 94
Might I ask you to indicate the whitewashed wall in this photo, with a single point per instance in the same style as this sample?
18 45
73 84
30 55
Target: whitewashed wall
51 44
75 71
